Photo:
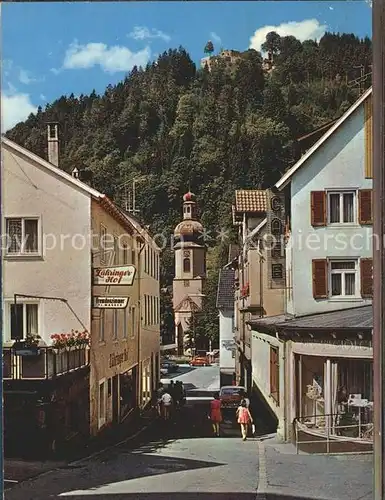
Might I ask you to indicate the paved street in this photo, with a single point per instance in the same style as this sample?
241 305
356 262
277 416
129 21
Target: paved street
180 460
205 378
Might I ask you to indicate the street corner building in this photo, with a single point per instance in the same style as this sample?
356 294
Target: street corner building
259 267
303 303
190 272
81 306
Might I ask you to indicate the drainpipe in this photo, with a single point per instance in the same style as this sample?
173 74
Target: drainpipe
139 374
285 384
261 314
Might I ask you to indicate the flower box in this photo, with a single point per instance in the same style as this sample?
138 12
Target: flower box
70 341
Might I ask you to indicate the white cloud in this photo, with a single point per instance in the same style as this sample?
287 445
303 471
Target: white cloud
215 37
309 29
15 108
43 97
110 59
26 78
143 33
12 72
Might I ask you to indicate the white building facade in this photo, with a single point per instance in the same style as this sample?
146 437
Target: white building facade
322 342
330 238
225 306
48 247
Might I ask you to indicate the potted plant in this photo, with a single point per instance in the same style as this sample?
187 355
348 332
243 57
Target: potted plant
70 341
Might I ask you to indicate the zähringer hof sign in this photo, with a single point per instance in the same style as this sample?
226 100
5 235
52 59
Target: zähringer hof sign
113 276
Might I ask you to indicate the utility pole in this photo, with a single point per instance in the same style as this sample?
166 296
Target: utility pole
378 243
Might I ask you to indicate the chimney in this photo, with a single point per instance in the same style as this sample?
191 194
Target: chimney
53 143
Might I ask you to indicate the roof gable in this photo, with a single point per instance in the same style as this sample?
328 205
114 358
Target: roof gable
187 304
286 178
250 200
49 167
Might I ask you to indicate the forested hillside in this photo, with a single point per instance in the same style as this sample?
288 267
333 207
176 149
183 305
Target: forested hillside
217 131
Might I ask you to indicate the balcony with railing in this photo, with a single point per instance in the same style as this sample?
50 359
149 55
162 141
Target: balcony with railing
43 363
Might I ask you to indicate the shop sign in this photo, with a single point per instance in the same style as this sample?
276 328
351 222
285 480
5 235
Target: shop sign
115 275
110 302
118 359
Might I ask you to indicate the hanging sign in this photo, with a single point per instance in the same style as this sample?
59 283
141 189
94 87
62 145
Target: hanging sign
110 302
115 275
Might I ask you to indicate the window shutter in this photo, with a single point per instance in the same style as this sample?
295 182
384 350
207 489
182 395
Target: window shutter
366 278
318 208
365 206
320 278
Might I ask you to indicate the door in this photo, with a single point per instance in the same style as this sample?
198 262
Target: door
115 399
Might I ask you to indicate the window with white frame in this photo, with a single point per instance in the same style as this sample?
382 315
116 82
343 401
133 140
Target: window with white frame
124 312
115 324
102 406
116 251
101 325
133 321
125 254
103 243
24 320
133 257
23 236
341 207
343 278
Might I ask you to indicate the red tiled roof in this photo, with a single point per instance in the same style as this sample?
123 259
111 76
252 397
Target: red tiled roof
253 200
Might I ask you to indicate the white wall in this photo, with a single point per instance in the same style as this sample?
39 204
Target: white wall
260 360
226 360
339 163
63 271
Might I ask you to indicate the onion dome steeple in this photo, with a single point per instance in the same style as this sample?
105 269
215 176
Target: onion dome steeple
190 227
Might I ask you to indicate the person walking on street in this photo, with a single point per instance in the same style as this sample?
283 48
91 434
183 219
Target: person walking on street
244 419
243 395
249 406
166 405
159 394
215 413
178 393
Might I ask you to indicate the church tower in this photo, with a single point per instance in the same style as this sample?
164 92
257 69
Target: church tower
190 269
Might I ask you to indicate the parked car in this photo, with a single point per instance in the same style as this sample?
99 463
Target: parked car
199 361
163 369
230 396
168 367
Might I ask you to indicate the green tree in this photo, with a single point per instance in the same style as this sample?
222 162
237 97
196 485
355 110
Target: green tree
209 48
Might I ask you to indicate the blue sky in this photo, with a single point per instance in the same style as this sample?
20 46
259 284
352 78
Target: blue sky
50 49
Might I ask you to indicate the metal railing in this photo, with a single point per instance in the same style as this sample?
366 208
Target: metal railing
350 431
46 364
